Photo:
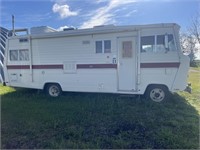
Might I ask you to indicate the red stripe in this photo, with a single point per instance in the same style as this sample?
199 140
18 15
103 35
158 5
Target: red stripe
47 66
160 65
95 66
35 67
79 66
18 67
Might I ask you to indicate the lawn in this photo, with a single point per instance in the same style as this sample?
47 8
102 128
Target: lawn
83 120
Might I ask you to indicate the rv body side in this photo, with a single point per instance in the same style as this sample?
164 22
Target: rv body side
108 60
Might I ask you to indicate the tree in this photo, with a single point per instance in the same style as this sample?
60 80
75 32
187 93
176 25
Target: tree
190 40
188 46
195 28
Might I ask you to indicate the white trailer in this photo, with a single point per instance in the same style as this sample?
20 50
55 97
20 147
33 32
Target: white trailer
134 59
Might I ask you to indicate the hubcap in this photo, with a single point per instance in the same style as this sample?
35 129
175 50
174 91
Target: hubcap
157 95
54 91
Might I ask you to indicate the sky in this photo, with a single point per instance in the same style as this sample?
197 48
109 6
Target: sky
88 13
61 14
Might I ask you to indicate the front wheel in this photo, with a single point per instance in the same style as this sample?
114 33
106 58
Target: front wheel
157 93
53 90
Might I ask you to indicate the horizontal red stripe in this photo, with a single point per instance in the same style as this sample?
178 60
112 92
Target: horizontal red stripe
79 66
35 66
160 65
18 67
95 66
47 66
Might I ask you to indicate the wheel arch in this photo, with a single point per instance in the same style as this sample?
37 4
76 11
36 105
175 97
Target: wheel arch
155 84
49 83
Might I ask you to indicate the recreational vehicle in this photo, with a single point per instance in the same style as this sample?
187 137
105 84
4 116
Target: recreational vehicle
137 59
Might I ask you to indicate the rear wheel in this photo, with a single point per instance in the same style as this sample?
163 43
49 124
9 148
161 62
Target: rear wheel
157 93
53 90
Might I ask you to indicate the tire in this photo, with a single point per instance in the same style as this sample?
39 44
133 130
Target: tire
53 90
157 93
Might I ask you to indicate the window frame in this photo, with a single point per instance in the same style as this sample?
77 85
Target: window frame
10 52
156 44
96 50
152 45
18 55
103 49
23 55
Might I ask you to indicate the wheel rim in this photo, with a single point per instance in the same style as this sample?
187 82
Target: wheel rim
54 91
157 95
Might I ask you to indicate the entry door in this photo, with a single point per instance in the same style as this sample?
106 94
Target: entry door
127 64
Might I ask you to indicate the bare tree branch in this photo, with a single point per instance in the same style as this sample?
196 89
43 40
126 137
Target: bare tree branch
195 27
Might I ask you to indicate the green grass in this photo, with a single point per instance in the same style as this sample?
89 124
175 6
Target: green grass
82 120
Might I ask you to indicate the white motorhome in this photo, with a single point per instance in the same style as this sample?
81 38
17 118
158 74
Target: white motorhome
134 59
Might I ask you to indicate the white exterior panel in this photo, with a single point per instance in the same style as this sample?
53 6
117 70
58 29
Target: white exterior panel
69 58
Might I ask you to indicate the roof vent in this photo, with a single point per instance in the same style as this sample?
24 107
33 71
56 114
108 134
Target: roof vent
69 29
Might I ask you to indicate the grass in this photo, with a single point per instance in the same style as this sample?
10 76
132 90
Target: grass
82 120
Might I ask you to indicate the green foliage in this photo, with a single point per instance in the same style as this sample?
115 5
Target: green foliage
99 121
195 63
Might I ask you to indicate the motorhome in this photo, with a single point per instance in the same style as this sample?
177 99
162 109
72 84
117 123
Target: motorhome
135 59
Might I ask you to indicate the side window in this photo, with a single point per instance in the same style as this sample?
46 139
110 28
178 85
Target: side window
23 55
103 46
99 47
171 43
13 55
147 43
160 45
107 46
19 55
156 44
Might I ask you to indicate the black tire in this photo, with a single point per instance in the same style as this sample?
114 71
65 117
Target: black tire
157 93
53 90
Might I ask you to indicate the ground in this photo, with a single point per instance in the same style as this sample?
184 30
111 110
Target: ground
83 120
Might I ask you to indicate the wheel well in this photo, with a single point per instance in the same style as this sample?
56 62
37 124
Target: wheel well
48 83
161 85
